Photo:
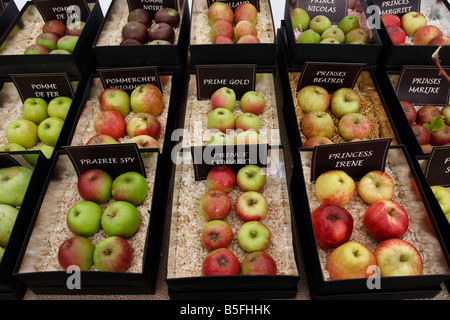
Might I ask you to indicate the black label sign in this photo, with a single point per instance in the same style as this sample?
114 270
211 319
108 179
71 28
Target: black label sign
152 6
128 79
335 10
6 161
437 171
330 76
67 11
43 85
233 4
397 7
240 78
234 156
355 158
114 159
423 85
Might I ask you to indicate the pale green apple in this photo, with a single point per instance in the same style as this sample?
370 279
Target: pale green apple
254 236
219 139
120 218
49 130
11 147
309 36
131 187
319 24
443 197
334 33
14 183
8 215
23 132
84 217
59 107
348 23
300 19
35 109
67 43
251 178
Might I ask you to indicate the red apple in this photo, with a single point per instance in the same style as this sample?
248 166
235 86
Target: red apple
422 134
426 148
220 262
220 11
216 234
221 28
143 123
397 257
333 225
246 11
409 110
316 141
386 219
425 113
221 177
354 126
440 41
440 137
426 34
397 35
222 40
110 123
243 28
55 26
101 139
249 39
147 98
76 251
258 262
391 20
95 185
215 205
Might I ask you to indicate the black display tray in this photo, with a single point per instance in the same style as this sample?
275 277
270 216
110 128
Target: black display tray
8 15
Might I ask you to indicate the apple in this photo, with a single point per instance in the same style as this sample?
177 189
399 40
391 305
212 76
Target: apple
221 119
300 19
334 33
319 24
59 51
440 137
220 262
135 30
442 196
423 136
167 15
247 120
348 23
83 218
36 49
111 123
335 187
247 137
426 34
35 110
55 26
316 141
101 139
345 100
253 236
134 42
385 219
76 251
216 234
113 254
313 98
219 139
223 97
48 40
120 218
215 205
376 185
357 35
397 35
251 206
33 158
397 257
425 113
143 123
221 177
251 178
245 12
49 130
221 28
253 102
350 260
115 99
11 147
130 186
161 31
243 28
248 39
410 111
141 15
413 21
145 141
75 28
391 20
330 41
440 41
354 126
332 224
147 98
309 36
8 215
317 123
23 132
14 184
258 262
222 40
67 43
220 11
426 148
95 185
59 107
445 111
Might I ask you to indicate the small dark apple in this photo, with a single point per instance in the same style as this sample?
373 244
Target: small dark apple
131 42
422 134
159 42
135 30
169 16
55 26
427 112
161 31
141 16
410 111
75 28
440 137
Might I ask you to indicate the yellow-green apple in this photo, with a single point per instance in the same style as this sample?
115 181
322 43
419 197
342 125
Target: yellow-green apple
348 23
258 262
111 123
49 130
120 218
397 35
313 98
130 186
409 110
161 31
143 123
23 132
317 123
145 141
357 35
141 15
251 206
391 20
253 236
47 151
354 125
75 28
223 97
35 110
443 197
67 42
76 251
221 119
222 40
440 41
300 19
319 24
221 177
113 254
135 30
168 15
48 40
426 34
220 11
215 205
376 185
249 39
253 101
251 178
219 139
247 137
413 21
316 141
440 137
386 219
330 40
220 262
115 99
445 111
309 36
55 26
221 28
397 257
332 224
83 218
95 185
334 33
345 100
59 51
248 120
101 139
351 260
147 98
422 135
8 215
246 11
2 252
11 147
13 184
425 113
335 186
216 234
59 107
243 28
36 49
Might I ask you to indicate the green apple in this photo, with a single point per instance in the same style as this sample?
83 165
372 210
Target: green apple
46 150
48 40
348 23
357 36
49 130
319 24
67 43
14 184
131 187
11 147
59 107
221 119
113 254
23 132
120 218
59 51
309 36
248 120
330 40
2 251
76 251
35 109
220 139
115 99
413 21
334 33
300 19
345 100
83 218
8 215
251 178
253 236
443 197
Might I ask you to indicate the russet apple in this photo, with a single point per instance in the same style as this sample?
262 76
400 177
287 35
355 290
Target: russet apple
120 218
147 98
113 254
143 123
251 178
76 251
215 205
317 123
354 125
251 206
254 236
115 99
171 16
300 19
258 262
413 21
409 110
345 100
220 262
313 98
111 123
376 185
223 97
130 186
216 234
397 257
95 185
220 11
426 34
245 12
397 35
14 183
253 102
221 177
335 186
244 28
83 218
135 30
316 141
422 135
